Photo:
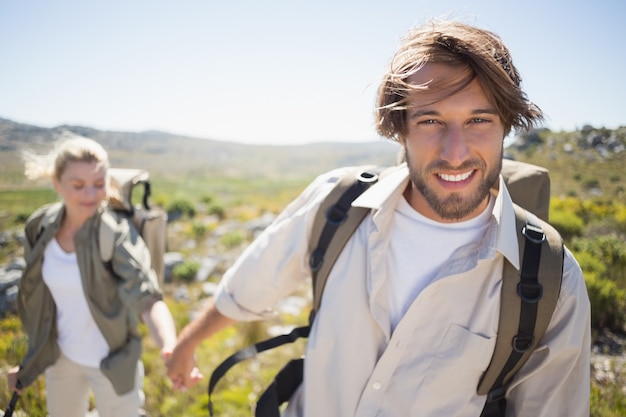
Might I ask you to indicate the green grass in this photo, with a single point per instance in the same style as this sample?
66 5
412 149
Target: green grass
247 198
234 396
17 204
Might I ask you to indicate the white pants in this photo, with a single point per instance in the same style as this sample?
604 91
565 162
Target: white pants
69 384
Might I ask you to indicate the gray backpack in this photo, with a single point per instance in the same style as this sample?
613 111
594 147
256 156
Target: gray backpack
150 222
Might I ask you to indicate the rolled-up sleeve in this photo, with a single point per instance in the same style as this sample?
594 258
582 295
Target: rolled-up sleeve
276 264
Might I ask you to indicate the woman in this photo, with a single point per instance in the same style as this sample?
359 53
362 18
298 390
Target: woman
80 313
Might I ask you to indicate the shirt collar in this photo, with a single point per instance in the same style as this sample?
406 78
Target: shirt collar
392 181
390 187
504 215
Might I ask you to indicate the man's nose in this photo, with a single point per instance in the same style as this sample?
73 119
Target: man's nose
454 147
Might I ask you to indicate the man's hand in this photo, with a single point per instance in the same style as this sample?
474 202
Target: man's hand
181 368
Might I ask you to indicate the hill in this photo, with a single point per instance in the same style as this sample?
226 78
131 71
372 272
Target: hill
165 154
588 163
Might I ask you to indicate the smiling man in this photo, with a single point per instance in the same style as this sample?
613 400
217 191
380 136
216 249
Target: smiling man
410 312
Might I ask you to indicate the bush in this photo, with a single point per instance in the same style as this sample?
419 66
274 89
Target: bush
610 250
198 230
591 183
232 239
567 223
179 208
186 271
218 211
607 303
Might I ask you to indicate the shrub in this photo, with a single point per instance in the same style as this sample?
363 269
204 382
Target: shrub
620 218
607 303
198 230
232 239
20 218
218 210
207 199
609 250
186 271
567 223
181 207
607 400
591 183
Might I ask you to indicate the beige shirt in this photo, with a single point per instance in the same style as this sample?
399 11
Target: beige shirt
431 364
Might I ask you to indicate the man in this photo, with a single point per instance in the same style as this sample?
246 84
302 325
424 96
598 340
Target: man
409 316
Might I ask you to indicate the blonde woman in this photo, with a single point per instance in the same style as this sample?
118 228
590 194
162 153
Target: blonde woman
80 313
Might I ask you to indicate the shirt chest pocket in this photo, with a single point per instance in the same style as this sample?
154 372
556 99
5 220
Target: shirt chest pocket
452 376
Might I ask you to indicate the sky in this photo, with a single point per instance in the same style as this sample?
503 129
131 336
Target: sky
283 72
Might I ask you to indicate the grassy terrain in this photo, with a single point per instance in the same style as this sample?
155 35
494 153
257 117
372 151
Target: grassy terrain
588 191
576 169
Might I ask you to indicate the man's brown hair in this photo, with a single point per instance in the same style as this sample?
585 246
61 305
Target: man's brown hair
458 44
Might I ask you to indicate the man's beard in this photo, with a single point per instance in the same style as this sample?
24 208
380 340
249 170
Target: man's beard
454 207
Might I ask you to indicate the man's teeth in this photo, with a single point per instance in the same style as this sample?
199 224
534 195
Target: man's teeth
455 178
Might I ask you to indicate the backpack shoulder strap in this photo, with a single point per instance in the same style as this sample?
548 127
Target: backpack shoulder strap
530 296
336 210
335 221
106 235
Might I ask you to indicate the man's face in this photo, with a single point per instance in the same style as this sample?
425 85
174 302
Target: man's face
453 146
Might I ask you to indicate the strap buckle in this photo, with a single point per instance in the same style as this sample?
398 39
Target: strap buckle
522 343
534 234
530 292
316 260
336 215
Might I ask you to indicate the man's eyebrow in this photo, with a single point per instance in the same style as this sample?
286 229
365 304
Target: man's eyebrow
486 111
420 113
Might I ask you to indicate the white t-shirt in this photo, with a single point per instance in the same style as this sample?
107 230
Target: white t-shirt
80 338
420 247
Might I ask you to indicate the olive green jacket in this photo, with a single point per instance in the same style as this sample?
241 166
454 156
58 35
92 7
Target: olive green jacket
116 291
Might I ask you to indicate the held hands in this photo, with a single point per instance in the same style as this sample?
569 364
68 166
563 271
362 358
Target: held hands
181 369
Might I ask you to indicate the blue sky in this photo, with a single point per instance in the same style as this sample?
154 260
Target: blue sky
282 71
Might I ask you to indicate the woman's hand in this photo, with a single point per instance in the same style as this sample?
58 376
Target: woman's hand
13 381
182 369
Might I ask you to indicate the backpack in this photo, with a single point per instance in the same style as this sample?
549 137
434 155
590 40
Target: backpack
150 222
529 294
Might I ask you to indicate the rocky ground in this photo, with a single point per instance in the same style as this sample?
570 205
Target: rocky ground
608 359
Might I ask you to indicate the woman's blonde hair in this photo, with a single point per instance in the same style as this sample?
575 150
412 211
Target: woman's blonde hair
482 52
70 149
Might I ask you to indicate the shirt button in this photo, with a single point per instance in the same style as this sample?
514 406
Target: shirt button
377 386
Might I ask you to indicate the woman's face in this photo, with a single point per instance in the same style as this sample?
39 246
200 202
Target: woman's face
82 186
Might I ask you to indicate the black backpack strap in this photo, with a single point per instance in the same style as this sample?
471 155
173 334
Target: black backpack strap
281 389
336 214
251 351
530 297
336 210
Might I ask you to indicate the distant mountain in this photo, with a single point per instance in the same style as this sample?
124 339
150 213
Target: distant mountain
587 163
168 154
